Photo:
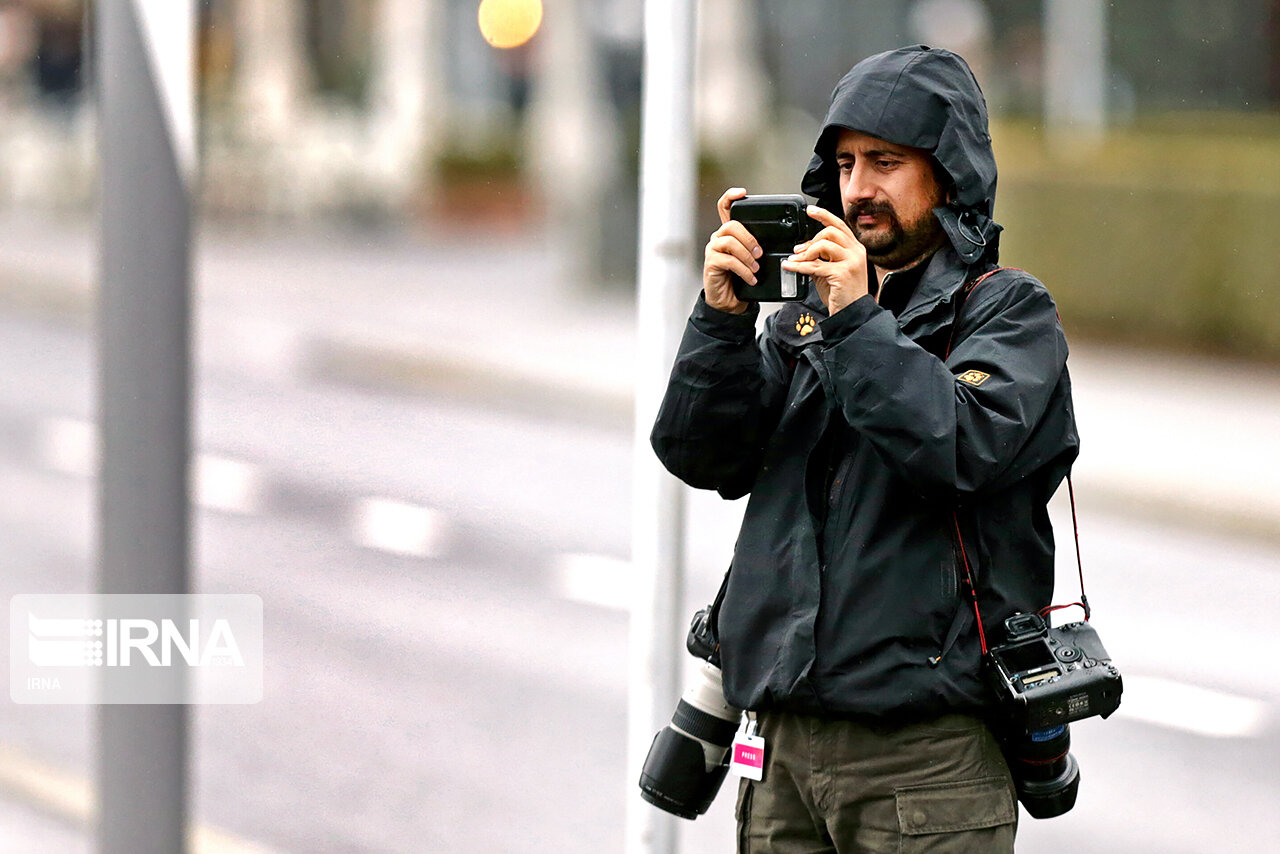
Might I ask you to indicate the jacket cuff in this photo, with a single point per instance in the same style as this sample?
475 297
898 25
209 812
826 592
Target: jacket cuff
734 328
849 319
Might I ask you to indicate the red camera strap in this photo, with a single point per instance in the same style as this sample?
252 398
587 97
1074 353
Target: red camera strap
955 516
1044 612
1075 530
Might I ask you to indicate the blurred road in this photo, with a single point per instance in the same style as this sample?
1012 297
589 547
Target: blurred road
443 574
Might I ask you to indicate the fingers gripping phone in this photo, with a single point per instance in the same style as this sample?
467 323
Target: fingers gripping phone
778 223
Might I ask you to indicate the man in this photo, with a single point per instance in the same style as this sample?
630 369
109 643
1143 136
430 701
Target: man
889 437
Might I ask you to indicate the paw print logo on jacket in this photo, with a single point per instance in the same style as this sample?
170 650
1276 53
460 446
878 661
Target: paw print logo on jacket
805 324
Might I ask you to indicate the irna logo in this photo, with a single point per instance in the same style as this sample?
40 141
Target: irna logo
126 642
132 641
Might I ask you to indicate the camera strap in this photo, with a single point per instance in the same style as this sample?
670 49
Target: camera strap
1044 612
955 514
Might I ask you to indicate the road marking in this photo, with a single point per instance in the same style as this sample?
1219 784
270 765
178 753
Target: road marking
71 799
394 526
594 579
68 445
1192 708
259 346
232 486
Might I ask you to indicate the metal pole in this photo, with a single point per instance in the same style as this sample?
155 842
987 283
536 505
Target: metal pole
1075 69
666 290
146 146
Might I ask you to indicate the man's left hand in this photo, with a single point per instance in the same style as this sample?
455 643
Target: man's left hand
834 258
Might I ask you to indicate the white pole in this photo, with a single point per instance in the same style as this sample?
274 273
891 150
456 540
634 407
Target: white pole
1075 69
407 117
146 138
667 286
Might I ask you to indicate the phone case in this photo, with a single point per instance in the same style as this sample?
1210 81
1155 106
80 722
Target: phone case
778 223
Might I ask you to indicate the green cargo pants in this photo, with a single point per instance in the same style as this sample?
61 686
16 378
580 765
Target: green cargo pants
839 787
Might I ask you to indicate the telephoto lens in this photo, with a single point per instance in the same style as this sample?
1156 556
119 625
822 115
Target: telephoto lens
688 758
1045 773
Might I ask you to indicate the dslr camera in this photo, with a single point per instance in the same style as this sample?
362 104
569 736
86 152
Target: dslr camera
689 758
1045 678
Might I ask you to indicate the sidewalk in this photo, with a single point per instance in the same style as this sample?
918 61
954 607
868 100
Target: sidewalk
1188 440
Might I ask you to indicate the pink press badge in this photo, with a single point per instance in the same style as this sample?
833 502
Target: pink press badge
748 756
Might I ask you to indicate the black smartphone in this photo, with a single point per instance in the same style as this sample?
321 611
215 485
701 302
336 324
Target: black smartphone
778 223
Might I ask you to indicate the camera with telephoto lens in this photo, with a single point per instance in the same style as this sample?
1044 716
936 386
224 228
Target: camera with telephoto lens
689 758
1045 678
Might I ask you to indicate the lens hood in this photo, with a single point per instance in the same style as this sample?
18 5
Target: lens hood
675 777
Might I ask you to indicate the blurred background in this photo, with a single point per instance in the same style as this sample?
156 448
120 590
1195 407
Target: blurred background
414 279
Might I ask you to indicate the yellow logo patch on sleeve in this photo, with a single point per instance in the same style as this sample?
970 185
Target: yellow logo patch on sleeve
805 324
973 377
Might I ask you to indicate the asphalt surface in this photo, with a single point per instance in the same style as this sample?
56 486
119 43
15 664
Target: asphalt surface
456 680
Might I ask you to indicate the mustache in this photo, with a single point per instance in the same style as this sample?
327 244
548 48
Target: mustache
869 207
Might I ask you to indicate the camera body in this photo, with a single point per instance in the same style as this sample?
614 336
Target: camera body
1045 677
702 641
778 223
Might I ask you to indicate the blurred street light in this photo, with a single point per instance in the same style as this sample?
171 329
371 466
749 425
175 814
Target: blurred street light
509 23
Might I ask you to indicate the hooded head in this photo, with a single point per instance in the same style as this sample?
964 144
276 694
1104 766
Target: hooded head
924 98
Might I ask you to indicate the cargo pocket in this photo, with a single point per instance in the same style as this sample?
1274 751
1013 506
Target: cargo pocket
957 818
742 812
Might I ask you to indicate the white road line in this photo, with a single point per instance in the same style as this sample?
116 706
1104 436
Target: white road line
594 579
394 526
68 445
71 799
1191 708
260 346
232 486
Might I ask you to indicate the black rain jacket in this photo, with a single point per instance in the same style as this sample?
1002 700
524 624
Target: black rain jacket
865 439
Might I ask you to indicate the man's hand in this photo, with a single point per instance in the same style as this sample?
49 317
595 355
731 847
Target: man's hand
835 259
731 249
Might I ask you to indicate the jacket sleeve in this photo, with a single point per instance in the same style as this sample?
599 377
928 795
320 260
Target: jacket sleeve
722 401
954 427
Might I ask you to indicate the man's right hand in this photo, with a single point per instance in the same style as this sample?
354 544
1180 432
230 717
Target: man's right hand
731 249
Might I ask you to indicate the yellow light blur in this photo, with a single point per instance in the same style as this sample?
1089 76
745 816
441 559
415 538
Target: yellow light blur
509 23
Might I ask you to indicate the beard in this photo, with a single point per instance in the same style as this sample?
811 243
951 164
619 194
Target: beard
894 245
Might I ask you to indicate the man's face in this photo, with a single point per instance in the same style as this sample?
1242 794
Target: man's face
888 193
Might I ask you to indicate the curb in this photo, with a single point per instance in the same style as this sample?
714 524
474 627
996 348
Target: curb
446 375
55 300
1241 520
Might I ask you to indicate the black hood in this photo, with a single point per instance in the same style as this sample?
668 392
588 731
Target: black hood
925 98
